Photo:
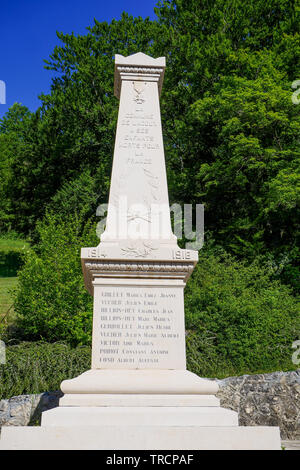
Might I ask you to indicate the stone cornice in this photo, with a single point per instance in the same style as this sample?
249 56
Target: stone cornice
136 69
122 71
133 269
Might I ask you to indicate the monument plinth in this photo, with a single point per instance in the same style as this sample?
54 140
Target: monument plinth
138 393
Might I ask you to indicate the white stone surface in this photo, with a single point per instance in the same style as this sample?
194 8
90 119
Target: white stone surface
161 272
140 438
138 326
138 213
100 399
139 416
147 64
157 382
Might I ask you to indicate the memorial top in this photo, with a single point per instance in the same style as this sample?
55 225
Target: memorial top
138 241
138 64
141 60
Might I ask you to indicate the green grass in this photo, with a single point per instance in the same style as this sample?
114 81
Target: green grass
6 285
9 244
11 249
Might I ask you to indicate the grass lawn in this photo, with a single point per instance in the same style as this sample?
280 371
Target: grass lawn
10 244
6 284
10 260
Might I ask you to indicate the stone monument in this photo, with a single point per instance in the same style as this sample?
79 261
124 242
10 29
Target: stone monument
138 393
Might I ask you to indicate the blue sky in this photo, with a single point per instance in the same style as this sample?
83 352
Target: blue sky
28 36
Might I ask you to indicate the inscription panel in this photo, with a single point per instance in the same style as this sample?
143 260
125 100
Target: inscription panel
138 328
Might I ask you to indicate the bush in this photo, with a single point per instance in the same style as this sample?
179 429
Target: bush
238 319
40 367
51 302
77 196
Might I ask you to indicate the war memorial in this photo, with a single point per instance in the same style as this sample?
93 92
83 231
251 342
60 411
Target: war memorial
138 393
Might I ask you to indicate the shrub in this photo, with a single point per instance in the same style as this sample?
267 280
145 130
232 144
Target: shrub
77 196
51 302
237 318
40 367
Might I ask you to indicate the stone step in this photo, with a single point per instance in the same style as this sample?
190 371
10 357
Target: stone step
140 438
139 416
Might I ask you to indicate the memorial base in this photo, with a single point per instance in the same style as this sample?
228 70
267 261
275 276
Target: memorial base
140 438
140 410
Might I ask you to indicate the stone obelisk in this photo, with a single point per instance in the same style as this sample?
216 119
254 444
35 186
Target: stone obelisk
138 393
137 273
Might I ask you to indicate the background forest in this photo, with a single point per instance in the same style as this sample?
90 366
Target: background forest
232 142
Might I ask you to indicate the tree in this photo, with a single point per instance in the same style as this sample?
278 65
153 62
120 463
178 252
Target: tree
231 131
74 129
14 129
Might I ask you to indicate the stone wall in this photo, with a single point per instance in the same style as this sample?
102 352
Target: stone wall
27 409
263 400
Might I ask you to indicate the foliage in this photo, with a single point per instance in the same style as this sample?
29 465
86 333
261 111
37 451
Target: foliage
238 318
77 197
231 131
231 137
14 140
39 367
73 131
51 302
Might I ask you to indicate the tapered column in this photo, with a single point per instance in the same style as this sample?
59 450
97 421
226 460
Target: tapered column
138 201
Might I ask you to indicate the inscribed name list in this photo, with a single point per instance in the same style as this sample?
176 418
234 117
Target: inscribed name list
139 328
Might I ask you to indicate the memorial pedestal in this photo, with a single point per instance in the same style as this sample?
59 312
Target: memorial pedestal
140 410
